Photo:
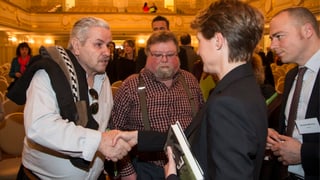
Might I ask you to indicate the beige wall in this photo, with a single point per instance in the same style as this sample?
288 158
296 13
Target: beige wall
27 26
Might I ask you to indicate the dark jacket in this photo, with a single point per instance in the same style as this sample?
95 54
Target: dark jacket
310 149
230 141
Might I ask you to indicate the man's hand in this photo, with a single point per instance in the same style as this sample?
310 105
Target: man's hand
112 151
288 150
130 137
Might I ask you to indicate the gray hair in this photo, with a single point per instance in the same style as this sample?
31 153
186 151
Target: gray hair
81 27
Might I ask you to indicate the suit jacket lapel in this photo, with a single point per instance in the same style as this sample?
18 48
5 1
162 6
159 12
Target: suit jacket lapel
287 87
313 105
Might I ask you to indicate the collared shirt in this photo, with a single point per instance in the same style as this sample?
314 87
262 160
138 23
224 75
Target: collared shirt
309 78
50 140
165 105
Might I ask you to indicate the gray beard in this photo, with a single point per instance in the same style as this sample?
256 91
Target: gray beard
164 74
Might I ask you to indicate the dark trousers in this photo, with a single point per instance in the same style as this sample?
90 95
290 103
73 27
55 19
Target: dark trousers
273 170
147 170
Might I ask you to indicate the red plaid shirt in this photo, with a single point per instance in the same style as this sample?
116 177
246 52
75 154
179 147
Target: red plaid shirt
165 106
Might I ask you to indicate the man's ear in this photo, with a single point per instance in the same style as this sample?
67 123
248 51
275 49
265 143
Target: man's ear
76 46
307 30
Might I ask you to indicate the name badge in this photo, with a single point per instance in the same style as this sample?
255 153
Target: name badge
308 126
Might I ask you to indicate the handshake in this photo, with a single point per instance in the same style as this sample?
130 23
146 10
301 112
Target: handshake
116 144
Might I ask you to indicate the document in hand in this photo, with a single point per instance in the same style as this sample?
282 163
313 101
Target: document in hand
188 167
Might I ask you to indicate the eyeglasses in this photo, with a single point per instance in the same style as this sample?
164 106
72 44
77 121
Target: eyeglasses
94 107
159 55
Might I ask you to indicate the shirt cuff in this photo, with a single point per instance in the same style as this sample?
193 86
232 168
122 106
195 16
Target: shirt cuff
92 141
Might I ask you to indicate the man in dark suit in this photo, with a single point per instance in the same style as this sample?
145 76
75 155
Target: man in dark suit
112 63
160 23
295 38
192 56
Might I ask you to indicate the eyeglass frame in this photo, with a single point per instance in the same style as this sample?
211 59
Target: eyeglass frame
160 56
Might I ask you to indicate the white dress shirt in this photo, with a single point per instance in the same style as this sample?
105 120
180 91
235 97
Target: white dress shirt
50 139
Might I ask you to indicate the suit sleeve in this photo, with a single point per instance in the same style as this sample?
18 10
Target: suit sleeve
310 160
172 177
151 140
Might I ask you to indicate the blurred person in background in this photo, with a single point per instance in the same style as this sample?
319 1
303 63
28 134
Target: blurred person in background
145 7
112 64
20 62
192 57
153 8
126 64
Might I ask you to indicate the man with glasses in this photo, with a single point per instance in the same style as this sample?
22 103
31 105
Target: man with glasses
160 23
68 101
157 97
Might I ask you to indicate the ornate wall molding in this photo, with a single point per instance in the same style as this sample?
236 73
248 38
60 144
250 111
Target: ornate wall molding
122 24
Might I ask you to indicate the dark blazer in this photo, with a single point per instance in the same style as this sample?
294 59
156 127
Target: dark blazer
230 142
228 135
310 149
